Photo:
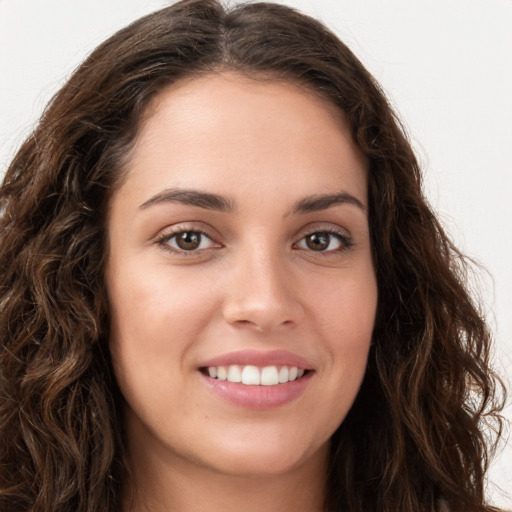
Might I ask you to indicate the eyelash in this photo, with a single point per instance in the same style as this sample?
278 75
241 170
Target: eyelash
346 241
163 241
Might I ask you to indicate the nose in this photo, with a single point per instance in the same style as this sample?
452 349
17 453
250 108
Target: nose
262 294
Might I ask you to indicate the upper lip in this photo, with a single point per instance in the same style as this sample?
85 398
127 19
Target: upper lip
259 358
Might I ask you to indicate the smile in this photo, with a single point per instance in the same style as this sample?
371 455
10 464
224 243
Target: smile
257 379
252 375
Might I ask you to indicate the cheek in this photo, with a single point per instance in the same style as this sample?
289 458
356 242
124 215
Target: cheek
157 300
155 318
345 315
345 307
155 324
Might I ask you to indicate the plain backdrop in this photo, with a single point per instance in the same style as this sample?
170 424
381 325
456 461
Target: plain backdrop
446 66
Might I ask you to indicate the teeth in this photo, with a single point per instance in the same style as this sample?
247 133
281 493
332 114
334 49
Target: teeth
269 376
253 376
234 374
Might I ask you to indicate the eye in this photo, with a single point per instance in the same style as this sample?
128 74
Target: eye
187 241
324 241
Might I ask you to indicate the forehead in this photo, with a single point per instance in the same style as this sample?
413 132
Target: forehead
214 129
239 89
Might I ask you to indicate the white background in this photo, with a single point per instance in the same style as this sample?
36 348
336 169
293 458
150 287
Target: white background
447 67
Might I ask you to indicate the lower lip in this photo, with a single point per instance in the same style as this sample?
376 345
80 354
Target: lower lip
259 397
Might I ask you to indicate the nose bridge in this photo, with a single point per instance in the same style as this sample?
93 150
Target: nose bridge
262 293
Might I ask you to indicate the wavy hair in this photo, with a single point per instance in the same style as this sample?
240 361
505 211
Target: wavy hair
416 437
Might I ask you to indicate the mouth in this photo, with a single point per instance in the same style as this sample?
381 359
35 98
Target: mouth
258 379
252 375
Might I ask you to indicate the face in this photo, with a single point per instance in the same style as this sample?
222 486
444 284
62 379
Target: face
240 277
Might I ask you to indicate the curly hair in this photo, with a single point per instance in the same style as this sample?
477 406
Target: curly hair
416 437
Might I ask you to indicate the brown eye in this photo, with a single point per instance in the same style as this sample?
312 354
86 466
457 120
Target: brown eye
188 240
318 241
325 241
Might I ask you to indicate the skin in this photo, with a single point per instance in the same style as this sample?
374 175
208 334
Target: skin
253 283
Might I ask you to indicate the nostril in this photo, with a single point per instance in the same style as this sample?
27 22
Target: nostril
262 310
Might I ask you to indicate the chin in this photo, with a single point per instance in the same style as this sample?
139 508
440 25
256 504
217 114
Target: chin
265 458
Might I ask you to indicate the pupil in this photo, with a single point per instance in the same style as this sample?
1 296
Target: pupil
188 240
318 241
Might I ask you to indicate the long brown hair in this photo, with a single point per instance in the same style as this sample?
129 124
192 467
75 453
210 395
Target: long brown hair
415 437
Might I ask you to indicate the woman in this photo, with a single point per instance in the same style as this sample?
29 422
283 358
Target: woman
222 287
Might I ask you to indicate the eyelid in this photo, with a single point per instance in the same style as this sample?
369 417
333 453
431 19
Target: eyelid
170 232
342 234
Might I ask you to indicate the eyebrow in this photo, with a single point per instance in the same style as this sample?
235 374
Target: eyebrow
191 197
320 202
209 201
